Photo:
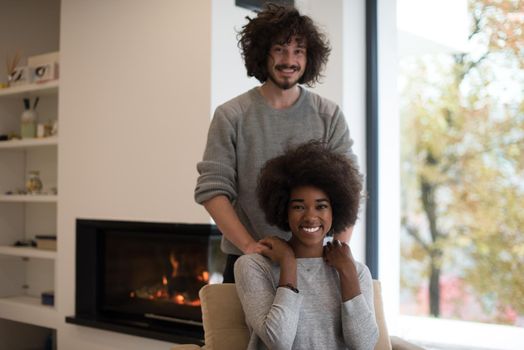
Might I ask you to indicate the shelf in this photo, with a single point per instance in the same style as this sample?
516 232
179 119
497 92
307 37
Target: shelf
28 143
37 198
49 88
29 310
27 252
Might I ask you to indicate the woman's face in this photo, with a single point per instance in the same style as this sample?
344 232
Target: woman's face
310 216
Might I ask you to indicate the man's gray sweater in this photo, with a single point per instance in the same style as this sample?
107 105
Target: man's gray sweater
246 132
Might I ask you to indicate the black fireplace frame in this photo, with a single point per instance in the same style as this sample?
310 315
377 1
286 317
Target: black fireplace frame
88 288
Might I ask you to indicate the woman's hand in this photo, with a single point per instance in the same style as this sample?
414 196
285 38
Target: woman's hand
280 251
276 249
338 255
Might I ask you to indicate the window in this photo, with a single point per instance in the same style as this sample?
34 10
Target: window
451 124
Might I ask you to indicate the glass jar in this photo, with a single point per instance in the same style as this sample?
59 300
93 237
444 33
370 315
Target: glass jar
28 124
34 184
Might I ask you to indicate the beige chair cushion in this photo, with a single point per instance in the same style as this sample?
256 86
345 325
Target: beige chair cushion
224 321
223 318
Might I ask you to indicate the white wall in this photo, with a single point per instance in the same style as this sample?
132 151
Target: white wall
354 98
134 108
389 150
228 75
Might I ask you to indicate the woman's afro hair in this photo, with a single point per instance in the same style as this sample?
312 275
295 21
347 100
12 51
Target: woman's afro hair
310 164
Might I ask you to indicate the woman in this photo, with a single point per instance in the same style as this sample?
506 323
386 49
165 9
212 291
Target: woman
301 294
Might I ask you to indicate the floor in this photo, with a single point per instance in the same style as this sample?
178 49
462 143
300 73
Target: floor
428 346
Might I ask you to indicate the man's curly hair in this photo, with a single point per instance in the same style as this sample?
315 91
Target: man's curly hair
310 164
277 24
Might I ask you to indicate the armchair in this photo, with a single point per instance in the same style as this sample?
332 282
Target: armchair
225 327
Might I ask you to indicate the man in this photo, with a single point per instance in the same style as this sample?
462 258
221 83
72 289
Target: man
282 49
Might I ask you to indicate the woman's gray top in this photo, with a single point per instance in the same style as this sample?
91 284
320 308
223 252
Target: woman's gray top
314 318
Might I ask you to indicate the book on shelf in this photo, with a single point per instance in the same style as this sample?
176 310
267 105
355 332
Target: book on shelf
46 242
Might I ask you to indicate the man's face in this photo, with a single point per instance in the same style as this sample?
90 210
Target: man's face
287 62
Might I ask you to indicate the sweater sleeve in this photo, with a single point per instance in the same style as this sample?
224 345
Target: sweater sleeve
359 327
272 315
339 138
217 171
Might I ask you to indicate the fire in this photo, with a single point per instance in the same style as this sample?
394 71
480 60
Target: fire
175 286
179 299
194 303
204 277
174 264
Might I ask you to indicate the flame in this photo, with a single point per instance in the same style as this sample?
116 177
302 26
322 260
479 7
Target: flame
162 291
194 303
179 299
204 277
174 263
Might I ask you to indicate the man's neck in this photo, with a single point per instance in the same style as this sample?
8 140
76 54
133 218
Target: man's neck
277 97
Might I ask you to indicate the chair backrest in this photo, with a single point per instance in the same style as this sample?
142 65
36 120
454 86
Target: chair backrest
224 322
384 342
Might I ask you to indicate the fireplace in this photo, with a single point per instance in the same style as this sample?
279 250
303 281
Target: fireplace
143 278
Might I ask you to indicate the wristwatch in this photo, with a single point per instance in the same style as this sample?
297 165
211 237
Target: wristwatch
289 286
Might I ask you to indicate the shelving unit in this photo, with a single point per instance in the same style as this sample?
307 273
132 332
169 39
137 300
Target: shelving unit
27 271
29 198
29 90
29 310
27 143
26 252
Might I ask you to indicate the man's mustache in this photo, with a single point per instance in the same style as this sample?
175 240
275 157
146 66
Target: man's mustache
286 66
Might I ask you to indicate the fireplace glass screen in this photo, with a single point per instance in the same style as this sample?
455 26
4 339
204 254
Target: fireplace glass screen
156 275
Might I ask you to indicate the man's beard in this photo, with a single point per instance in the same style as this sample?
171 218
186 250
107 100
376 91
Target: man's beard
285 84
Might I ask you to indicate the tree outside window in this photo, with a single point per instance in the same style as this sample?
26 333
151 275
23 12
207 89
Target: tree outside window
462 173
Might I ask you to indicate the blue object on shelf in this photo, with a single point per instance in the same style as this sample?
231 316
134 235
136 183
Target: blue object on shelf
48 298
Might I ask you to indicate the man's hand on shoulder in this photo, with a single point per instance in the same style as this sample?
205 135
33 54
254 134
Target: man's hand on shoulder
253 247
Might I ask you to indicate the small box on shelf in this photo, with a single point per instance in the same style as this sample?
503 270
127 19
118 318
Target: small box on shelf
44 67
46 242
48 298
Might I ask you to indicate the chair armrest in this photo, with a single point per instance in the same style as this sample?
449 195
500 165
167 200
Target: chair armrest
401 344
187 347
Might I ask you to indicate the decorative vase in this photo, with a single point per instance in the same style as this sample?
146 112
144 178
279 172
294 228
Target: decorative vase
34 184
